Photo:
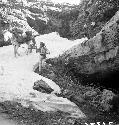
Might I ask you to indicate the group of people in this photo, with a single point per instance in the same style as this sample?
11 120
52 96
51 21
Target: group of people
17 37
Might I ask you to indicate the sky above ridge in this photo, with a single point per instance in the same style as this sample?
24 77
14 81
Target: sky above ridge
67 1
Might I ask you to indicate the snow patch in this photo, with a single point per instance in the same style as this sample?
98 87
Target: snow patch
56 44
17 77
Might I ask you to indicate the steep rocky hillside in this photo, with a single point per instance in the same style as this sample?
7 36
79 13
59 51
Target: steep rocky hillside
70 21
88 18
95 60
13 14
41 16
98 11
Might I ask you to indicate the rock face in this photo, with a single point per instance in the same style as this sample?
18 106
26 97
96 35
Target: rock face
97 11
97 56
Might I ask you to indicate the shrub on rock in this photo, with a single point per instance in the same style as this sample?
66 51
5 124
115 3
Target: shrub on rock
110 101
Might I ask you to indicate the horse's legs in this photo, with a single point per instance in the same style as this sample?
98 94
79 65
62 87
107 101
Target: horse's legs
16 50
15 53
29 49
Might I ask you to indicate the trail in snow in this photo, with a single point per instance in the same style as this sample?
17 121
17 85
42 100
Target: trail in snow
17 77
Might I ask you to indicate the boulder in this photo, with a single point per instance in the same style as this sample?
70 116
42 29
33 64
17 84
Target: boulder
42 86
95 54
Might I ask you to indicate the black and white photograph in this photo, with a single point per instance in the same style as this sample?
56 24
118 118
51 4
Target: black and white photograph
59 62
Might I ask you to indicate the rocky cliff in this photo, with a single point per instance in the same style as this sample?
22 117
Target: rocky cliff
87 18
95 60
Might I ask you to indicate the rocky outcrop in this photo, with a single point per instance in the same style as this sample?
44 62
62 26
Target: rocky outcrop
42 86
98 55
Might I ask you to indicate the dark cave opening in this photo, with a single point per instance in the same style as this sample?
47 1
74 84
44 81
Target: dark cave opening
103 80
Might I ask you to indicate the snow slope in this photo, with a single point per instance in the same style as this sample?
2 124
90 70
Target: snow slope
17 77
56 44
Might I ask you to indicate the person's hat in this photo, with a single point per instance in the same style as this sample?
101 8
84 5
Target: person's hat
42 43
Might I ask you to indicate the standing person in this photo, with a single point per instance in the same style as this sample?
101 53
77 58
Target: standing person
30 39
32 44
16 45
16 39
43 51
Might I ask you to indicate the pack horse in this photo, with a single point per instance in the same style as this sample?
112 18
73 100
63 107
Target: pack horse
18 38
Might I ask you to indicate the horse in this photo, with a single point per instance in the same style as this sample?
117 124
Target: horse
17 41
